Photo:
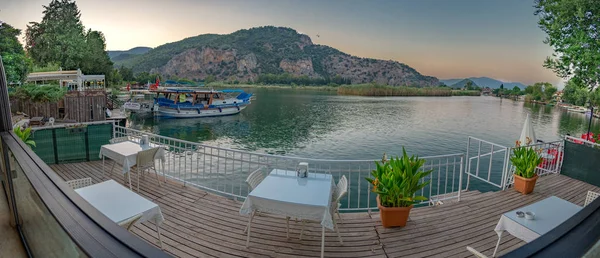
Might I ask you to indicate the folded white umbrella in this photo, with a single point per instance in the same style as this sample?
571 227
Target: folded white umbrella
527 132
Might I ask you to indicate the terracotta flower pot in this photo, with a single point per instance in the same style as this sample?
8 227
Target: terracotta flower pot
393 216
525 185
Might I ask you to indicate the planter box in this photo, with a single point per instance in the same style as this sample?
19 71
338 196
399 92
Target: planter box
525 185
393 216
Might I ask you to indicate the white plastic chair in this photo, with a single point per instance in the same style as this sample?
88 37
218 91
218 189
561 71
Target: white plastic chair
79 183
51 121
591 196
128 224
145 161
339 192
475 252
253 180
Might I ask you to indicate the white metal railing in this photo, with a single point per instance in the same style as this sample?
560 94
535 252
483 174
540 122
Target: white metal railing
581 141
224 171
486 161
552 154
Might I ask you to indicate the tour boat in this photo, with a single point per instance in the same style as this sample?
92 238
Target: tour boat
185 103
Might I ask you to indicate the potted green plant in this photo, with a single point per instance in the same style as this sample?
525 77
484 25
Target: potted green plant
24 135
396 183
525 161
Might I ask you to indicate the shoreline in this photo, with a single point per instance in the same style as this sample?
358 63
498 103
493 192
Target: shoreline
365 90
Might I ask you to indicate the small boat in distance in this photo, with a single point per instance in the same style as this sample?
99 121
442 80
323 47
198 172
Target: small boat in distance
186 103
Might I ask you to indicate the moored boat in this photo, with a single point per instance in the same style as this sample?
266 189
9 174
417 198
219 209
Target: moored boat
185 103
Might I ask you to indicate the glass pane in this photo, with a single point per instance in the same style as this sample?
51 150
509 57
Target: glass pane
45 237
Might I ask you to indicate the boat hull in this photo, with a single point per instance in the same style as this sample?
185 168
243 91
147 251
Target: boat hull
194 113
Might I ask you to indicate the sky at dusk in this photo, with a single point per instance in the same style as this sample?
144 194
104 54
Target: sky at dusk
441 38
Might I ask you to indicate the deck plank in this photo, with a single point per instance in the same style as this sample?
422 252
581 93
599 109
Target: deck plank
202 224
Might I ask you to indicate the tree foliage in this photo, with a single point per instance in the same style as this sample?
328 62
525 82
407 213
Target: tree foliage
16 64
540 91
289 79
46 93
573 32
61 38
575 93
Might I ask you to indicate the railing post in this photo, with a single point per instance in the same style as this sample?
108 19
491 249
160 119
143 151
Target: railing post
460 177
505 168
559 159
468 164
114 129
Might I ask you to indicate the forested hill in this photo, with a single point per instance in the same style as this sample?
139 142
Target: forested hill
246 54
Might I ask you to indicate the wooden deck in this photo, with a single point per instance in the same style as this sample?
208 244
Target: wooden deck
201 224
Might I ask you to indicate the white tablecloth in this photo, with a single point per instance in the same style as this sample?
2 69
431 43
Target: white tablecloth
549 213
125 153
119 203
283 193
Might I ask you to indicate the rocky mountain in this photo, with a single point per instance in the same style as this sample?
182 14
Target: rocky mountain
486 82
120 55
246 54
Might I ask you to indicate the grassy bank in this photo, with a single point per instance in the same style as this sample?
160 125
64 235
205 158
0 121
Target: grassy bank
466 93
385 90
270 86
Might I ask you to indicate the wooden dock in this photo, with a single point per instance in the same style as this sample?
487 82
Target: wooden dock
201 224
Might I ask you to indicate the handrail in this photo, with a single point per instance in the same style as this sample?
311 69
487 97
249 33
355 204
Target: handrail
223 171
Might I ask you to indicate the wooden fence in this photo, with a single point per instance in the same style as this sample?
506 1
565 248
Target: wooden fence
85 106
34 109
80 106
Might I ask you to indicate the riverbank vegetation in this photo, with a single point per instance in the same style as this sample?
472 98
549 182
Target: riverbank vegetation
269 86
386 90
540 92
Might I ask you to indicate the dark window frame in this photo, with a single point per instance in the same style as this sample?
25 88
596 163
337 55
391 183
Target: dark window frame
91 230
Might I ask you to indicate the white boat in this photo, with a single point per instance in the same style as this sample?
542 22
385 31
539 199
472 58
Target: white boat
182 103
578 109
139 101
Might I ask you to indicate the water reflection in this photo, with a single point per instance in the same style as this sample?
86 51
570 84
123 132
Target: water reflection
324 125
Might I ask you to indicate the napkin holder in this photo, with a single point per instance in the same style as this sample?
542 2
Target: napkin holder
302 170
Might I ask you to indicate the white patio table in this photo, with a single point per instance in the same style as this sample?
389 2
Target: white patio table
283 193
119 203
125 154
549 213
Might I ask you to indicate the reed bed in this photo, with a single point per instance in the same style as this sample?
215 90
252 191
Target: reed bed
386 90
466 93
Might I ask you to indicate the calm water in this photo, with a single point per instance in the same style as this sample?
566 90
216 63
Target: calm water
325 125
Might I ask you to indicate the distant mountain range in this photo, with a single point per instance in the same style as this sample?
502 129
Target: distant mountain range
462 83
484 82
120 55
244 55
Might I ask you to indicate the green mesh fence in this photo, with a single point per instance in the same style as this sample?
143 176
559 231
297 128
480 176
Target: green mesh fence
582 163
44 145
63 145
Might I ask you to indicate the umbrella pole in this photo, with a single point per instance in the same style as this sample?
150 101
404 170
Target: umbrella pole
590 123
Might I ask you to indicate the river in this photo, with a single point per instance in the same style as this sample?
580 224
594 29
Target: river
318 124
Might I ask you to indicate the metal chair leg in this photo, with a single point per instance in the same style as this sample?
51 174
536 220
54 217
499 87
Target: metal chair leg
157 178
302 230
159 236
254 213
337 230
